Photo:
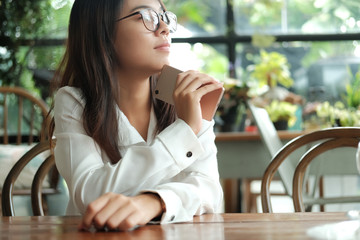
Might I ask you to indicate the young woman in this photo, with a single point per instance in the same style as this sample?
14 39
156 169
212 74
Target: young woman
128 158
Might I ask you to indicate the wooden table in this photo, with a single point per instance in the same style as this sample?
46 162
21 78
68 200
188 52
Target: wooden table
208 227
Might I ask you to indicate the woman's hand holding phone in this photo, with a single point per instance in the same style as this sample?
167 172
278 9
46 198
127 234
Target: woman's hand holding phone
190 87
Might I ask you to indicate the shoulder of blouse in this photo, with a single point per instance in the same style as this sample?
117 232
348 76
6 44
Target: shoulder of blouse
66 95
68 100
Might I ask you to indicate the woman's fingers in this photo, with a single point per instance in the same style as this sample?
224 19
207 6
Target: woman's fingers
101 211
205 89
188 84
191 86
192 80
117 211
93 209
122 218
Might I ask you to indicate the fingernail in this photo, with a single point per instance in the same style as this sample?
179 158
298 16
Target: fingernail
81 227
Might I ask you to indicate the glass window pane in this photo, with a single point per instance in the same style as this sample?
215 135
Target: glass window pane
56 24
296 16
198 18
211 59
320 69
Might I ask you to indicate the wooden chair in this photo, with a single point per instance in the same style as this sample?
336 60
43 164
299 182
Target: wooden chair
22 124
322 141
27 125
47 168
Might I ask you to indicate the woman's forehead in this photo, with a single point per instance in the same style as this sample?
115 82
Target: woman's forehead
133 5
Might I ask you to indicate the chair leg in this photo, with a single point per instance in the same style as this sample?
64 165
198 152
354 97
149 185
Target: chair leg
231 194
253 205
308 208
321 192
246 198
45 205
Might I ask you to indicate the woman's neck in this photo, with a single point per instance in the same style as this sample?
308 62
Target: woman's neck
135 103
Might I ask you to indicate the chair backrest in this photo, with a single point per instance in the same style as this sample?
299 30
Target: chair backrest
273 143
48 165
324 140
23 114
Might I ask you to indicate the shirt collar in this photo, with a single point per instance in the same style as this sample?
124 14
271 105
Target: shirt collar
128 135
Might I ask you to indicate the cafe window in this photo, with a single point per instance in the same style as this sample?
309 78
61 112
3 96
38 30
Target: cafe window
199 18
304 31
283 17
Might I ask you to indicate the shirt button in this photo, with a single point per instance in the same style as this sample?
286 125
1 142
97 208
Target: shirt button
172 218
189 154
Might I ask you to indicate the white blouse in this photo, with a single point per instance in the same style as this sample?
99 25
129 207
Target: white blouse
176 164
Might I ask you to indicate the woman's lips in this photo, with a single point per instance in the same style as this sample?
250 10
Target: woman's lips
163 47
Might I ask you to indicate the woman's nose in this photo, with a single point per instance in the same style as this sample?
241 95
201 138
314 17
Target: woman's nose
164 27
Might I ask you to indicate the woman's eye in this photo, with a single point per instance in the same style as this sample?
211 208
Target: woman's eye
147 18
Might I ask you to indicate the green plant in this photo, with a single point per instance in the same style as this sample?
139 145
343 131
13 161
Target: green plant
23 25
281 110
20 20
352 96
272 68
232 107
338 114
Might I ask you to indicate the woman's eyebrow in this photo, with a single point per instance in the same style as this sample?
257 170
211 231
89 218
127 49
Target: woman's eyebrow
139 7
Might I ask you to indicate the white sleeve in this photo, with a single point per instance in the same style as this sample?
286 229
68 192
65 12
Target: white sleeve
172 154
196 190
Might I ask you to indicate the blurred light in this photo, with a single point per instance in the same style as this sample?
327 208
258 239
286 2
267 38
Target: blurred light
57 4
3 51
357 51
351 22
343 29
181 32
182 57
198 47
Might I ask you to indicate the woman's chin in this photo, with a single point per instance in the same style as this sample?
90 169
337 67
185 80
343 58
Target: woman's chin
162 64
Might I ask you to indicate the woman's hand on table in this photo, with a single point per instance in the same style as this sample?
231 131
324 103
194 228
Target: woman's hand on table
118 212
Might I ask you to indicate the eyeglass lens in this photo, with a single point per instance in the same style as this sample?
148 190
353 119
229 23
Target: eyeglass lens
151 20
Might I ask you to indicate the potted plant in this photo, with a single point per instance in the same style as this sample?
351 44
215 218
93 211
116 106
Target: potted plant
231 112
282 114
337 115
342 113
270 70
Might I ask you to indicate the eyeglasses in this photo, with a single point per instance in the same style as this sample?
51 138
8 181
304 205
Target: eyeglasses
151 19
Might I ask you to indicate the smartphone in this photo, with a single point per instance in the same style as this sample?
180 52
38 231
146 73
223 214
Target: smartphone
165 87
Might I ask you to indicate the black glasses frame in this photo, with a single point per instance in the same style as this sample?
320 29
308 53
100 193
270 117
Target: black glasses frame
164 16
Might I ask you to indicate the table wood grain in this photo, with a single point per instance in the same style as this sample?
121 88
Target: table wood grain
208 227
